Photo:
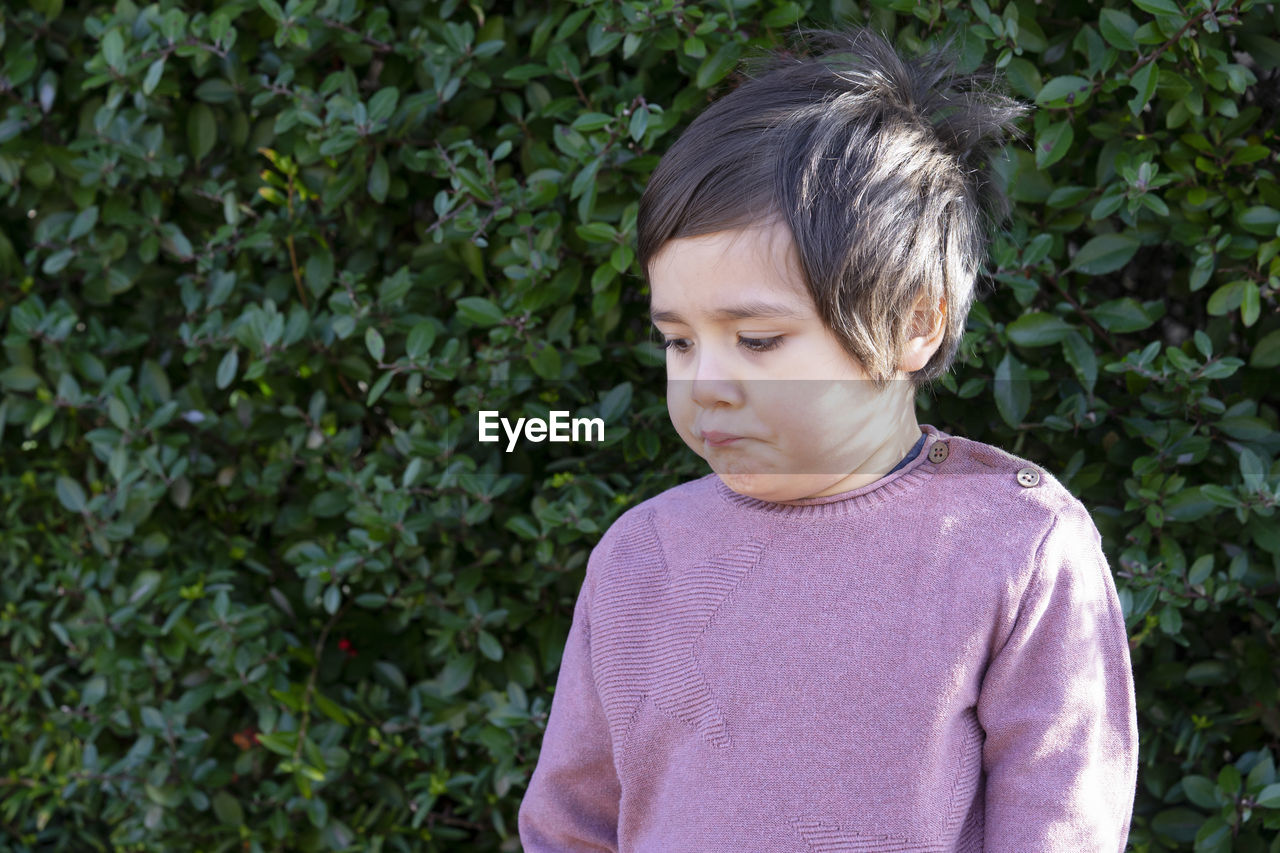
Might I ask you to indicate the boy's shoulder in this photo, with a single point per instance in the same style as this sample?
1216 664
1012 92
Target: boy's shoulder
690 498
1010 482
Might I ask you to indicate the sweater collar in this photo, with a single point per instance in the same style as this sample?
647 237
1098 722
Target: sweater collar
905 479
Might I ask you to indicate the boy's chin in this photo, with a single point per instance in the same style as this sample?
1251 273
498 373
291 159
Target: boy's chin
778 488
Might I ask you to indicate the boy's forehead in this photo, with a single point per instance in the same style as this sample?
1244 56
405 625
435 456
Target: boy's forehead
727 276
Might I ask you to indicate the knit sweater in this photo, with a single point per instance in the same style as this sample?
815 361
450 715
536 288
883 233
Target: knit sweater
936 661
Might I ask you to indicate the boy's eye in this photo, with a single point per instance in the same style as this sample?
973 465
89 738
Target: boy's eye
752 344
761 344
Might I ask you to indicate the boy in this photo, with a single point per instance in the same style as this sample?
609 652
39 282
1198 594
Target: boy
815 648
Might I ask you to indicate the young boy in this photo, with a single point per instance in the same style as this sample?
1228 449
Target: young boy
814 648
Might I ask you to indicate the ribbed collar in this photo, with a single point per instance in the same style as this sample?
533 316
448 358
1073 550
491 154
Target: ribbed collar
906 479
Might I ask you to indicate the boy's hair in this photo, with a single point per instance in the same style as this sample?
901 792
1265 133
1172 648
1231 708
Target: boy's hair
878 166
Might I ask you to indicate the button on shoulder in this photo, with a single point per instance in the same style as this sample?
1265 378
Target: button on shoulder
1028 477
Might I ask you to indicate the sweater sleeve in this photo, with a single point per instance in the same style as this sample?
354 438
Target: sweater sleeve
572 800
1057 704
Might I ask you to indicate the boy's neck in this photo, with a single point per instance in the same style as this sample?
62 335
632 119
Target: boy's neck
897 442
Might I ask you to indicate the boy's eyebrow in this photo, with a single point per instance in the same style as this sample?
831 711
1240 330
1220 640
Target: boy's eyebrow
744 311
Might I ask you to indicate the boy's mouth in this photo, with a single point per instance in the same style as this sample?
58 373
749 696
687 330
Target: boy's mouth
719 439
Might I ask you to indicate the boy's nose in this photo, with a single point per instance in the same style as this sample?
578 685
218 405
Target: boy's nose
709 393
713 384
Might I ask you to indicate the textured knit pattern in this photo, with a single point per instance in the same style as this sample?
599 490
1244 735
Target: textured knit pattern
934 662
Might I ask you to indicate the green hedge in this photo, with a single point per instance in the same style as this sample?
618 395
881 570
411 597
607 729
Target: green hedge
260 266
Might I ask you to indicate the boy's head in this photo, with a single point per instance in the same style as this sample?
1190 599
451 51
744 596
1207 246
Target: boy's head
823 221
878 169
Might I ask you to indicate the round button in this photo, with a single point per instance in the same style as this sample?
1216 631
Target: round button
938 452
1028 477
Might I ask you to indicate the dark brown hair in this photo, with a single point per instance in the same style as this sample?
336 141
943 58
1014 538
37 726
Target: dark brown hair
878 165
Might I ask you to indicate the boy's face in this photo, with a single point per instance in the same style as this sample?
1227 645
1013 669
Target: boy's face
740 328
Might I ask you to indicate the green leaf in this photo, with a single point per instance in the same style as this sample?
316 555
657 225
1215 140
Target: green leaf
1267 351
420 339
281 743
615 403
1229 779
714 68
1200 569
489 646
19 377
1105 253
384 381
1226 298
57 262
1180 824
373 341
331 709
1122 315
165 796
456 674
202 131
145 584
215 91
272 8
1208 673
522 527
480 311
70 494
1159 7
227 369
1250 303
546 363
379 179
585 179
94 691
113 49
588 122
1117 28
383 104
328 504
639 124
319 272
1269 797
1063 91
1037 329
1263 50
1214 836
1053 144
1259 219
783 16
227 809
391 674
83 223
1080 355
1012 393
1144 83
154 73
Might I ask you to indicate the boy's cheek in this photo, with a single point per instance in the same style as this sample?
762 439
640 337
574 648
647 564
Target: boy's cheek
681 413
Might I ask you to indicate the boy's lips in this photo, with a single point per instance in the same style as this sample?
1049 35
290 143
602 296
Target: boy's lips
718 439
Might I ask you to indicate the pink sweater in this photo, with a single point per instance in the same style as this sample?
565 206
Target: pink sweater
936 661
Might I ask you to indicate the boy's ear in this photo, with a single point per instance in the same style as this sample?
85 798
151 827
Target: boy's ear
927 324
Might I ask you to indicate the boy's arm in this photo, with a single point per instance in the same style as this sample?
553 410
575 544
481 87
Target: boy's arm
572 800
1057 705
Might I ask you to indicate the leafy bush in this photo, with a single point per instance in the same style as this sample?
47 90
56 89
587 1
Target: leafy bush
261 265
